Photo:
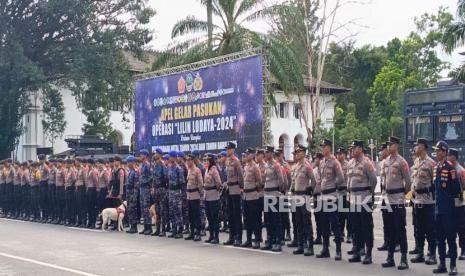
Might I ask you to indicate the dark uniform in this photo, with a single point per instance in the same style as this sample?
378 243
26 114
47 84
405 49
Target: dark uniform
447 189
132 191
212 186
145 186
43 189
160 183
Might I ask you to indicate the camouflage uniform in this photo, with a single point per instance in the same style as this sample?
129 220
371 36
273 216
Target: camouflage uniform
176 180
132 193
223 213
160 194
145 185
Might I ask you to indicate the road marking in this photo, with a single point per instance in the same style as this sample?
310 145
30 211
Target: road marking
22 221
85 229
62 268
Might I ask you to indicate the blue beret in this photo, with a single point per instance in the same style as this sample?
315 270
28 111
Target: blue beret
159 151
223 153
196 153
173 153
181 154
166 157
144 152
130 158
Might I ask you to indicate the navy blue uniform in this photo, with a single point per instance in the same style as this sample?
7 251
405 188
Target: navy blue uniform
446 189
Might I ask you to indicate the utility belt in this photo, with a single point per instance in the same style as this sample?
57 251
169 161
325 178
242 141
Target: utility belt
395 191
233 184
193 190
70 188
209 188
250 190
274 189
328 191
300 193
359 189
340 189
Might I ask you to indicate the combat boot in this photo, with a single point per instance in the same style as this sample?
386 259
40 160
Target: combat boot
230 241
349 239
389 260
178 234
162 232
256 245
132 229
420 258
441 268
403 265
308 250
197 238
267 246
324 253
189 237
453 268
277 248
383 247
317 240
157 231
367 259
355 256
338 256
415 251
299 250
247 243
293 243
143 231
173 233
149 230
431 260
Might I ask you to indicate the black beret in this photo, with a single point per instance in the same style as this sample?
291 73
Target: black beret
326 142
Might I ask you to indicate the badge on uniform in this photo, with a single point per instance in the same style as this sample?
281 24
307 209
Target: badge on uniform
444 185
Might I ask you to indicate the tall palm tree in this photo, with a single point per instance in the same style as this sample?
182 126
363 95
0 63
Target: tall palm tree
454 34
209 4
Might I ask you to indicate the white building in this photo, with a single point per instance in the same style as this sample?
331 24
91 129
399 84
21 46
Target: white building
286 126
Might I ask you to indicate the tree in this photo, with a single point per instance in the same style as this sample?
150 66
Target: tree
53 123
453 37
65 43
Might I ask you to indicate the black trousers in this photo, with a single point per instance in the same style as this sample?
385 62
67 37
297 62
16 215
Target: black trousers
344 218
81 204
26 199
385 226
285 221
424 224
70 205
52 200
102 200
60 203
395 228
3 197
17 200
251 218
9 197
43 198
34 204
91 205
193 209
304 226
330 222
273 225
234 217
460 215
362 221
446 230
212 209
317 213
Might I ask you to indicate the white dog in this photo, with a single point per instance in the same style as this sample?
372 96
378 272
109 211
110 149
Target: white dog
114 214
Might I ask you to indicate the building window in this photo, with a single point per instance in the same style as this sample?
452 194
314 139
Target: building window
283 112
296 111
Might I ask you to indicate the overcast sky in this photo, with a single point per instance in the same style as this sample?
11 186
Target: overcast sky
377 22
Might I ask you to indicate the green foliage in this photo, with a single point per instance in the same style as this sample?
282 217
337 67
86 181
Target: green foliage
66 43
53 123
97 123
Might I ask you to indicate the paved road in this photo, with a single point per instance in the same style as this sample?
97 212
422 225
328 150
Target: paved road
38 249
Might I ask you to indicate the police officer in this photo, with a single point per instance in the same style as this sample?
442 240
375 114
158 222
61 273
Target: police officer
273 183
452 157
212 187
132 191
302 184
81 175
199 164
104 175
260 159
194 191
117 182
70 198
34 184
362 183
26 191
447 188
223 213
10 174
332 178
396 172
423 202
317 198
145 186
175 181
92 183
342 193
17 191
43 188
51 198
252 184
383 154
286 169
235 182
160 193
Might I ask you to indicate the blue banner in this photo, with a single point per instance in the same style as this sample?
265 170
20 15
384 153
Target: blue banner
202 109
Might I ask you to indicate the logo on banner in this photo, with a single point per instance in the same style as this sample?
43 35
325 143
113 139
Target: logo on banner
181 85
